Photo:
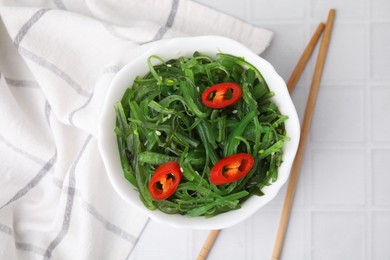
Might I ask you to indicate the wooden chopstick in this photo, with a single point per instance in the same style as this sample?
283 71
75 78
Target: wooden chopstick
304 134
296 74
290 85
208 244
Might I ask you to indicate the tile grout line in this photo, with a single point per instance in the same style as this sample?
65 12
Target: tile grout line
379 82
368 135
247 245
331 207
193 250
190 239
344 208
379 20
307 187
332 83
340 145
294 21
309 190
369 151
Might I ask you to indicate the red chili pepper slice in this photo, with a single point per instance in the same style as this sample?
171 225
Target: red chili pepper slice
222 95
231 168
165 180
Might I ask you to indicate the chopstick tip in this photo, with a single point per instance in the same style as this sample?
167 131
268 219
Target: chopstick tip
331 17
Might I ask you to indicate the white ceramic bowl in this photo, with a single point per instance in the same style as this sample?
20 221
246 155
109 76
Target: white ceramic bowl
175 48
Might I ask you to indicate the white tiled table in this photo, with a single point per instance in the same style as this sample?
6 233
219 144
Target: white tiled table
342 206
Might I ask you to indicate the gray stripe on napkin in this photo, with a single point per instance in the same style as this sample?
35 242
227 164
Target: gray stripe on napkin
171 18
27 26
47 112
59 4
30 248
112 69
70 117
22 246
53 68
108 225
34 182
111 30
172 14
21 152
133 246
21 83
69 203
109 69
99 217
5 229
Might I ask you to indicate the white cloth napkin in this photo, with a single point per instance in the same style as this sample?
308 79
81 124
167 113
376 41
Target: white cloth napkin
57 59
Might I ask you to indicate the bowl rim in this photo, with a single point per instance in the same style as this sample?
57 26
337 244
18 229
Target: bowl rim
173 48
